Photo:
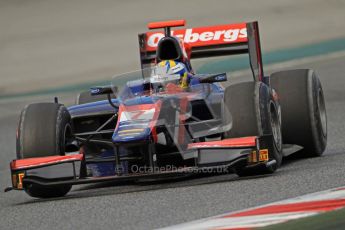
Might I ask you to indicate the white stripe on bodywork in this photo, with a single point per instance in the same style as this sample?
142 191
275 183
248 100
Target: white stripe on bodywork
137 115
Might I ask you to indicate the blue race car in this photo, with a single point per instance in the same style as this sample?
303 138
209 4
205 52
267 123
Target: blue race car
165 120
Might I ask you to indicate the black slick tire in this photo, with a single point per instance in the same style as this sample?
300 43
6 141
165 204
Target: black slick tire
42 131
255 113
304 117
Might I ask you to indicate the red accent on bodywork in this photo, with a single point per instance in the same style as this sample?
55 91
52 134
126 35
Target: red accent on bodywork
173 89
154 120
131 108
188 50
121 108
40 161
311 206
163 24
226 143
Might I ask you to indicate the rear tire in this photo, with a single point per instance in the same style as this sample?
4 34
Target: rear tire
255 113
42 131
304 118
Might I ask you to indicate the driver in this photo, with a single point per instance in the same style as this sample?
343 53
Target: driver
173 67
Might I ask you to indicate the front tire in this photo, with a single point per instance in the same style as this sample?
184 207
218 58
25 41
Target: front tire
42 131
255 113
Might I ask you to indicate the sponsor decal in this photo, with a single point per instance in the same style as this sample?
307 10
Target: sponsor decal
20 180
252 157
220 77
95 90
263 156
17 180
203 36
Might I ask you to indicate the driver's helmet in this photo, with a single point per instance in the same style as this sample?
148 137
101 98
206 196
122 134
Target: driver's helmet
175 71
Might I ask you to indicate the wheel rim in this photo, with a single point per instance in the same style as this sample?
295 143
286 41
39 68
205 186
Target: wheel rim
322 112
276 127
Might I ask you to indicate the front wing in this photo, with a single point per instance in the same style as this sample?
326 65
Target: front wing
209 156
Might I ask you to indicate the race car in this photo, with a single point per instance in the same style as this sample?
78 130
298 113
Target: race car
144 126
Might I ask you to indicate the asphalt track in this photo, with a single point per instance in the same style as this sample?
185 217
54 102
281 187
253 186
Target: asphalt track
45 48
153 205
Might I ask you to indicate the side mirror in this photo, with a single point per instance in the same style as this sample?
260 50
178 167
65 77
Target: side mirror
99 90
213 78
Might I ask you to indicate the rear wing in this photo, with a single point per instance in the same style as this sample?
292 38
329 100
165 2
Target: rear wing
209 41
